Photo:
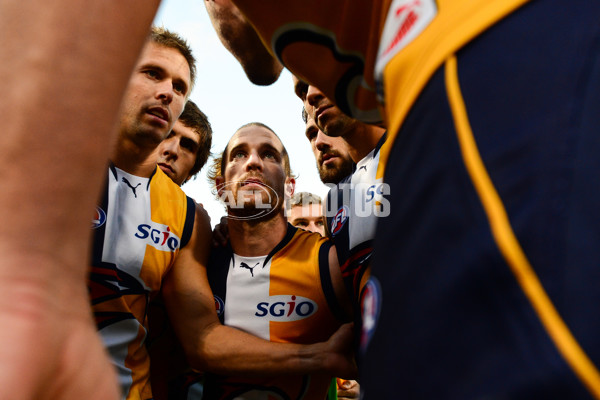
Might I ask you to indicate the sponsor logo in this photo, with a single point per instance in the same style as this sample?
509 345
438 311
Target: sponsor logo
133 188
339 220
370 308
158 236
246 266
219 305
286 308
99 218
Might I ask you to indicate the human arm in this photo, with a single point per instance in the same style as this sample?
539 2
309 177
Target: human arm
213 347
65 65
242 41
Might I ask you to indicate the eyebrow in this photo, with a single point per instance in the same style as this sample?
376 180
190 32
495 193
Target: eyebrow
163 71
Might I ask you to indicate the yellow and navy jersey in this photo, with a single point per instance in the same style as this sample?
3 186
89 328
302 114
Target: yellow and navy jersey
487 265
286 296
139 229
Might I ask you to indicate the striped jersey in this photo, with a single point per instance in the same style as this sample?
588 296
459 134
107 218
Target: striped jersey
285 296
138 231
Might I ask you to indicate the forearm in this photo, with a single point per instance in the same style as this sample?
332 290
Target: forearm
228 351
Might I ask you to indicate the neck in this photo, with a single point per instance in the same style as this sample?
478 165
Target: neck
362 140
256 238
133 158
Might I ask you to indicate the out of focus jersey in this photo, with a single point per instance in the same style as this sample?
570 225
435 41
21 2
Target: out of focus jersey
138 231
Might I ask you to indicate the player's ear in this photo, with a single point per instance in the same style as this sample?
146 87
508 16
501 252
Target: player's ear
290 187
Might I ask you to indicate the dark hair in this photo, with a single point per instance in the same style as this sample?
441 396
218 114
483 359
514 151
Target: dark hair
193 118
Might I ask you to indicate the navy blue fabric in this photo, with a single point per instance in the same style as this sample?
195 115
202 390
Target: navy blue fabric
454 321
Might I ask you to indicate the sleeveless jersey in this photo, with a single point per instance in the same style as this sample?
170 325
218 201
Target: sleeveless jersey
287 297
353 207
138 231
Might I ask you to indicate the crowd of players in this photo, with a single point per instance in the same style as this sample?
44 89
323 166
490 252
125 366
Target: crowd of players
459 249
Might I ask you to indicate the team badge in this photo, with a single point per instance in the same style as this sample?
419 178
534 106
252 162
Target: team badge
339 220
405 21
370 308
99 218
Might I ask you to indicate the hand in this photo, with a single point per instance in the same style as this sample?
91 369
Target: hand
348 389
339 357
220 236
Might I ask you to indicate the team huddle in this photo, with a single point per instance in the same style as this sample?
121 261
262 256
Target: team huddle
454 256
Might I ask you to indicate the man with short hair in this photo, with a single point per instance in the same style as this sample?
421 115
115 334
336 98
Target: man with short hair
150 236
264 281
331 153
306 212
351 207
187 147
354 205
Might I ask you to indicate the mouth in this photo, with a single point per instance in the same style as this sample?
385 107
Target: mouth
326 158
159 113
166 168
252 181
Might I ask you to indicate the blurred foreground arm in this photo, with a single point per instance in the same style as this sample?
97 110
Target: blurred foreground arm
64 67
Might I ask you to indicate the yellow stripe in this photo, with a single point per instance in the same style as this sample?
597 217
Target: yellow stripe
509 245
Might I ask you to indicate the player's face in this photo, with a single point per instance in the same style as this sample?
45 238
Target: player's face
255 169
330 119
156 94
176 155
308 217
331 153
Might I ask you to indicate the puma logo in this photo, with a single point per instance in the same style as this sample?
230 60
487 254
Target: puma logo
244 265
132 188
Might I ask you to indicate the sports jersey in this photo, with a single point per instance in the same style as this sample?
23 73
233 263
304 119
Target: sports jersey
485 272
285 296
139 229
353 207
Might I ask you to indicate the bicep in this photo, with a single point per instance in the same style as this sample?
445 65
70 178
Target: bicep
186 292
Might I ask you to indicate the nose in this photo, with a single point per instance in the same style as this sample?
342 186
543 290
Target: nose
314 96
165 91
322 141
170 148
254 162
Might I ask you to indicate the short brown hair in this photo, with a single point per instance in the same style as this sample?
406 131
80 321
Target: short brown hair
165 37
219 163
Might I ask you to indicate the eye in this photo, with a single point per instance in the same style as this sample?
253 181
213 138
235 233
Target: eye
311 133
180 88
319 223
153 74
189 145
238 154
